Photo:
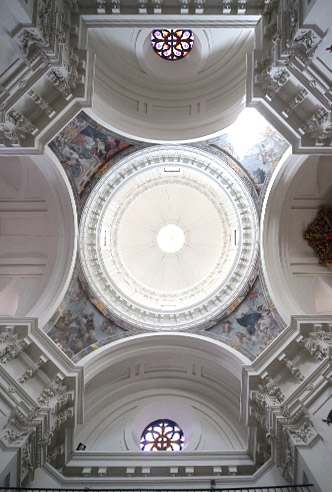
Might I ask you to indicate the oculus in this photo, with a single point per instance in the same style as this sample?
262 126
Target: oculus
171 238
162 435
172 44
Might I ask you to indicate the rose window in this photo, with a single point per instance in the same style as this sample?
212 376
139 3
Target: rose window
172 44
162 435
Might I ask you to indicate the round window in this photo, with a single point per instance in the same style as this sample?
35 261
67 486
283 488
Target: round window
172 44
162 435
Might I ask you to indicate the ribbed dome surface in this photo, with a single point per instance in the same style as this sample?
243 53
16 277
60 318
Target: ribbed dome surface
175 237
145 206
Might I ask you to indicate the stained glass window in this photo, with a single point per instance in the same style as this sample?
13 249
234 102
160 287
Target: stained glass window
162 435
172 44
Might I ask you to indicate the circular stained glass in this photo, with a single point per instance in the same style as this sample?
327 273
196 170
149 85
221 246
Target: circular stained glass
162 435
172 44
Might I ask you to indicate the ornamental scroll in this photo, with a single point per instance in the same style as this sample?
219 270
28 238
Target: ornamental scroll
319 235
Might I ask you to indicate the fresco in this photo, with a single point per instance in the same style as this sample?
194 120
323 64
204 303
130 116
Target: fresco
258 150
81 325
82 328
83 146
251 327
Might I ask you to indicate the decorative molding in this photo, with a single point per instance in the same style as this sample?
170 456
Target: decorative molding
286 44
280 410
42 103
295 371
60 82
48 56
34 420
14 346
313 347
319 234
32 370
272 390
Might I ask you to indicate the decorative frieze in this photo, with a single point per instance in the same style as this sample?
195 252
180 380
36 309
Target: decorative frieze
62 400
46 108
36 424
142 6
324 336
63 416
32 370
227 6
279 77
8 134
295 371
47 53
315 122
43 21
156 5
295 102
263 65
26 458
282 415
15 437
241 6
115 6
271 18
270 387
7 334
101 6
54 390
56 76
307 39
319 237
31 44
289 44
313 348
21 123
319 127
286 463
184 5
259 398
13 349
304 434
259 416
199 6
236 7
18 418
53 454
46 439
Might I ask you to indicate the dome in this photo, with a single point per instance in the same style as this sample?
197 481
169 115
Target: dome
132 288
169 238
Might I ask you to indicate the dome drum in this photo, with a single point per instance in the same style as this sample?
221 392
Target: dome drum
212 215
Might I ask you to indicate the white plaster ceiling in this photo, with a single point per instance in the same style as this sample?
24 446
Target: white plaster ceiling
297 282
126 388
139 94
38 230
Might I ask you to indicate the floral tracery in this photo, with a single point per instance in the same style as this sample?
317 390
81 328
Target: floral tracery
162 435
172 44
